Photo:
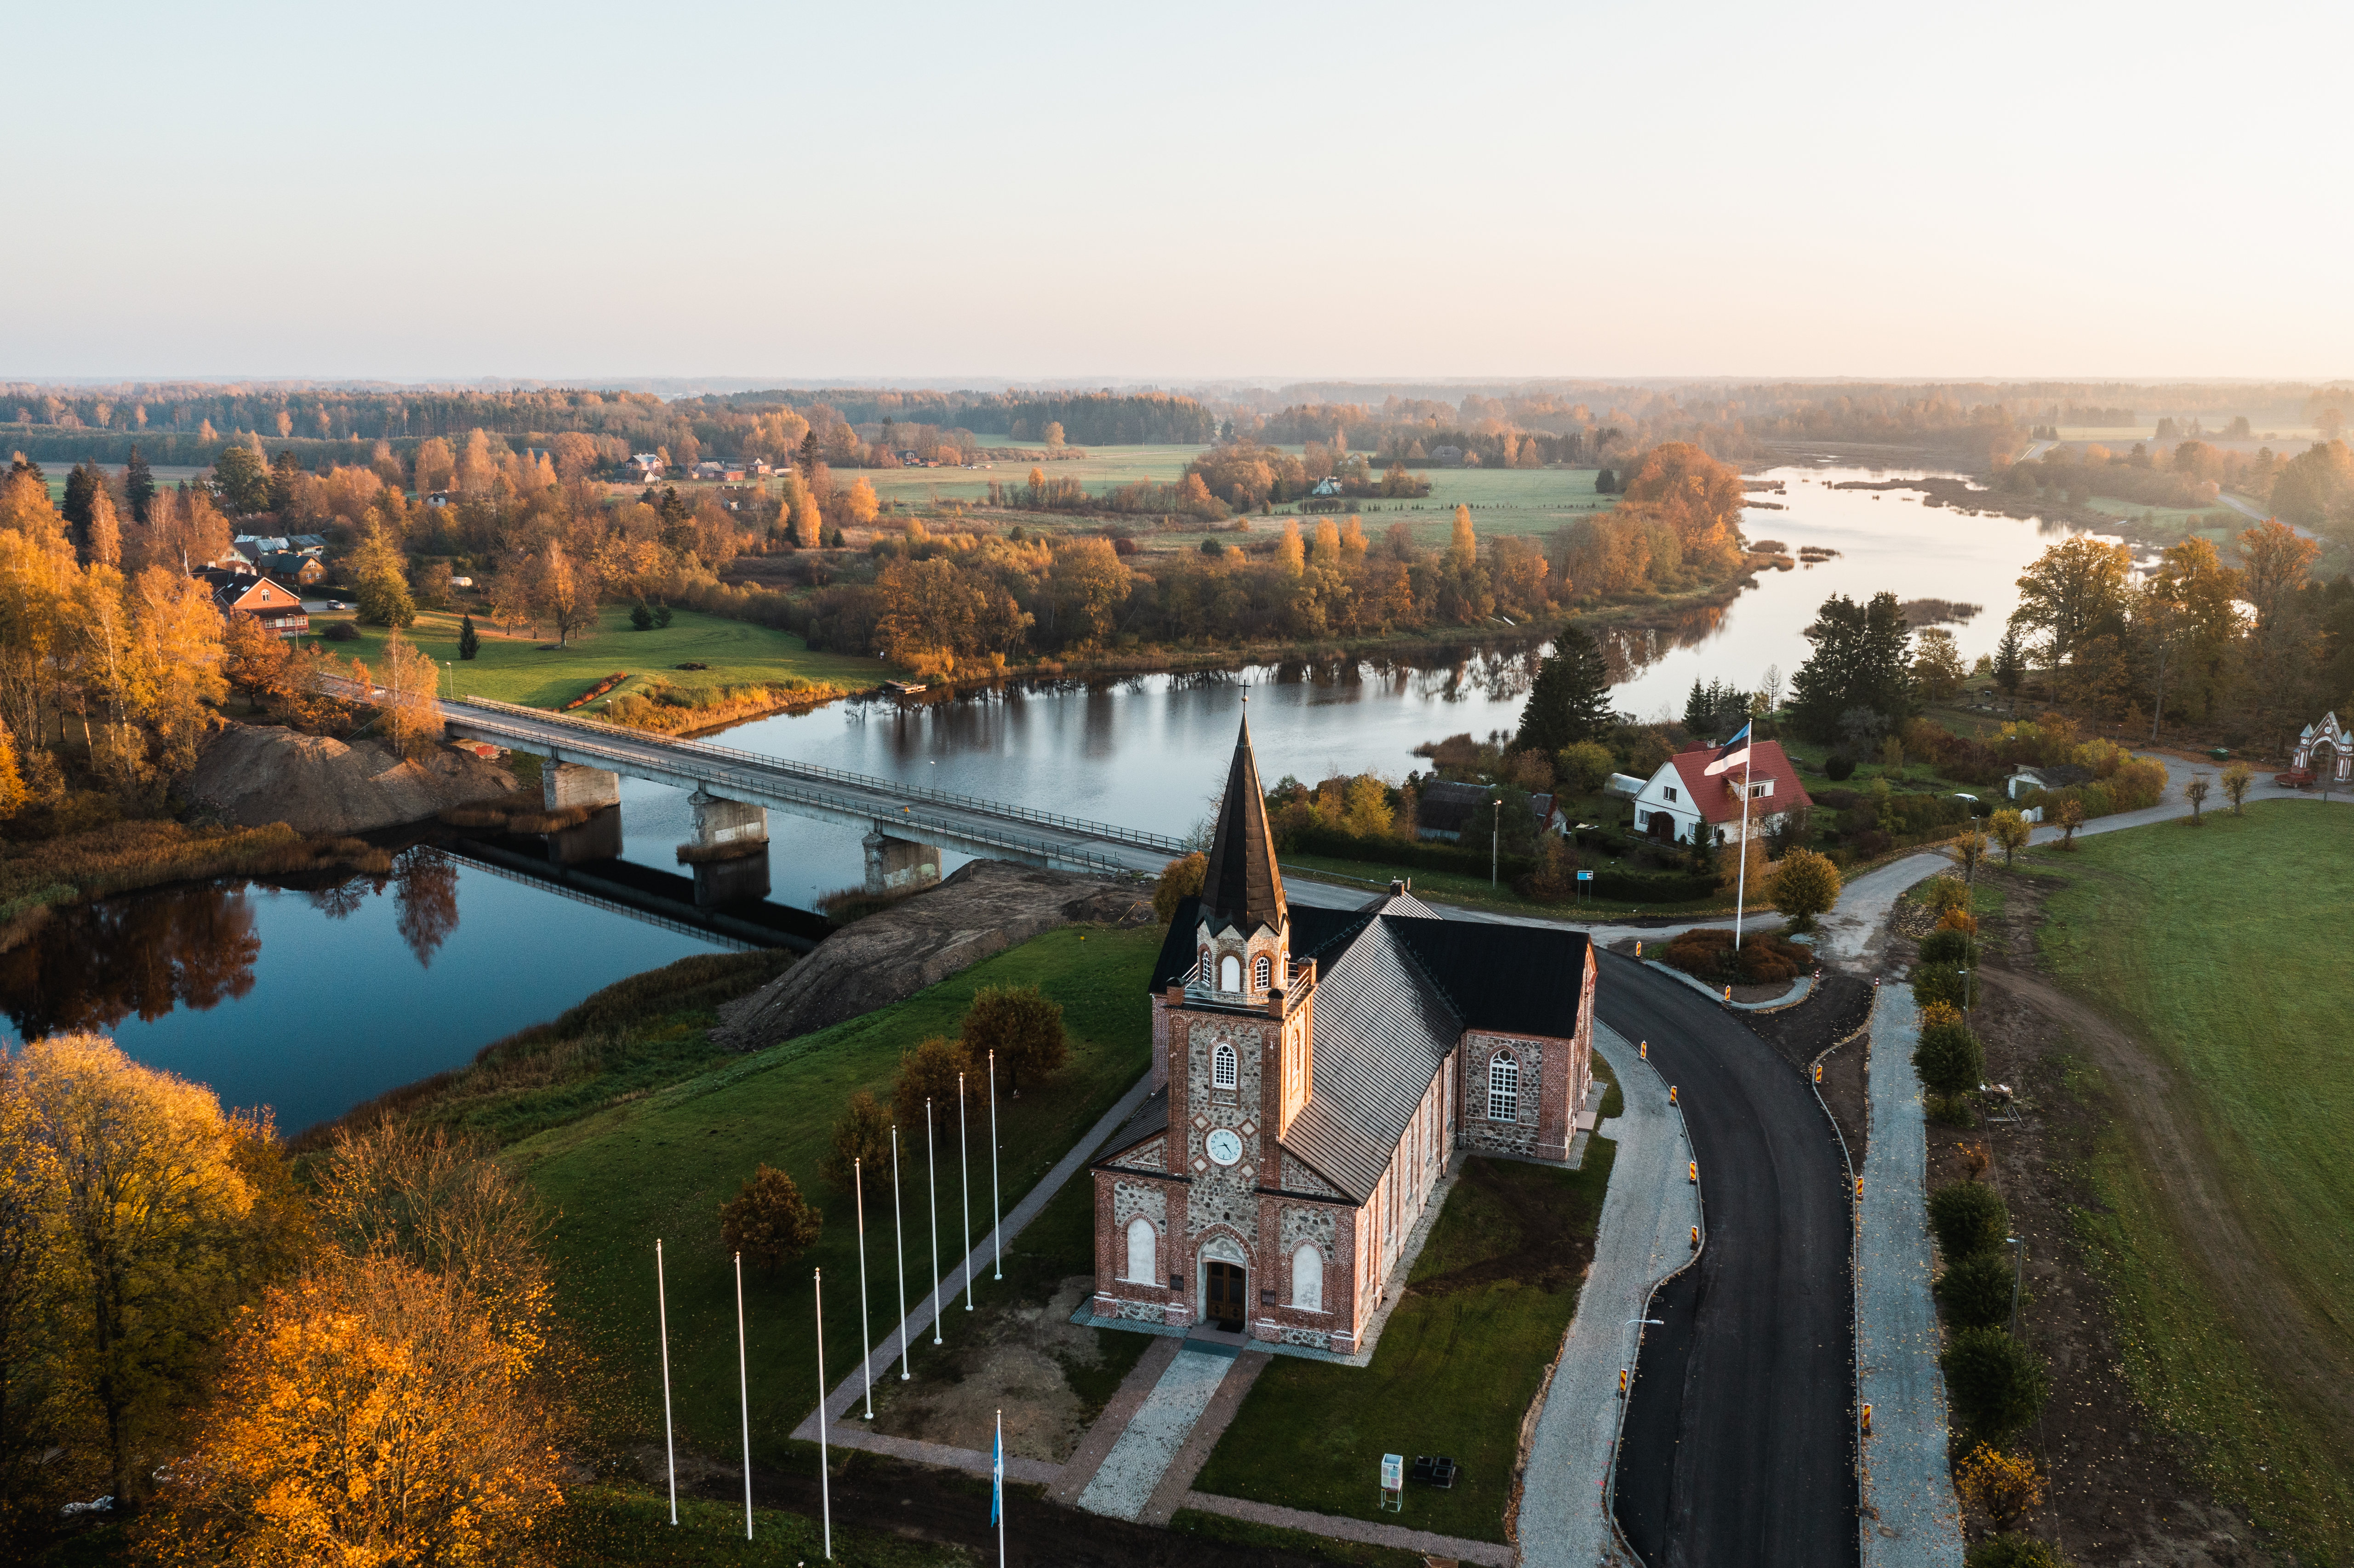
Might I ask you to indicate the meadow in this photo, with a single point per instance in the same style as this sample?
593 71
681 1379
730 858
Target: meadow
2222 949
518 669
660 1166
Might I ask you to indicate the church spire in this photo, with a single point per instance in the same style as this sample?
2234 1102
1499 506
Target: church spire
1241 888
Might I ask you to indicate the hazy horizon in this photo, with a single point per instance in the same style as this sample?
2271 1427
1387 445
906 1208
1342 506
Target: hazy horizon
1582 192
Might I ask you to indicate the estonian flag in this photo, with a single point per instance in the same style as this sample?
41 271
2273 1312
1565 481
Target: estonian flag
997 1472
1729 757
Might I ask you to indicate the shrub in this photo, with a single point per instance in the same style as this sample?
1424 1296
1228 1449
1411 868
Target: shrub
1951 1110
1586 767
1941 983
1995 1385
1838 765
2014 1551
1022 1026
862 1136
1960 920
1707 952
1180 879
1805 884
1946 946
2003 1487
1968 1218
1946 894
641 616
1976 1292
768 1220
340 631
928 1074
1949 1060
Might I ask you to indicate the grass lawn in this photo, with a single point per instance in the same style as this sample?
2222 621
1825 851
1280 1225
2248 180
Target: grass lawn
512 670
614 1525
1454 1371
662 1165
2223 948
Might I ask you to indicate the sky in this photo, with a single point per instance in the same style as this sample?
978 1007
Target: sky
1176 193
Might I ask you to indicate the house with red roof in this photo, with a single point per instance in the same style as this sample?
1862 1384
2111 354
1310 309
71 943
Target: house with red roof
1683 799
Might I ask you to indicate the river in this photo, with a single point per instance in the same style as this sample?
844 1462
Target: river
313 1001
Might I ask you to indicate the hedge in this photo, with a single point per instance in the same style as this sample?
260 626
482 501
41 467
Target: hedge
1622 886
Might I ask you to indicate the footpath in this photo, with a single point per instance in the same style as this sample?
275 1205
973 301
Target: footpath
1911 1516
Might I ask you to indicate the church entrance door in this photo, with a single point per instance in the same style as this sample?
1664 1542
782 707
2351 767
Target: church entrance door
1223 1284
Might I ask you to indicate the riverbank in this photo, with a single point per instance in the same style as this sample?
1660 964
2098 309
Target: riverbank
123 857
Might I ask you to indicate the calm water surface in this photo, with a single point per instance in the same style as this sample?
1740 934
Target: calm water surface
312 1001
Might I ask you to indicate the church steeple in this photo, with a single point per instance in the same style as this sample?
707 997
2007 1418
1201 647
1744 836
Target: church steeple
1242 888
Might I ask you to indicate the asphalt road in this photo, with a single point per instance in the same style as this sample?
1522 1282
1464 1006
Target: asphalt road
1738 1442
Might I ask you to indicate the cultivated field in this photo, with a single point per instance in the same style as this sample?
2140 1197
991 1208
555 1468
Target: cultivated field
2226 1235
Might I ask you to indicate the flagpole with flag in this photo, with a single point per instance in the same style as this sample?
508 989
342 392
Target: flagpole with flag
997 1487
1725 761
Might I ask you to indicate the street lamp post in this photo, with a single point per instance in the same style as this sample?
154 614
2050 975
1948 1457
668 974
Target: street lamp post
1495 841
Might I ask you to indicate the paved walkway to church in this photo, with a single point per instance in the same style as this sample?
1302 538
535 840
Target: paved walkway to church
1124 1484
1644 1234
1911 1517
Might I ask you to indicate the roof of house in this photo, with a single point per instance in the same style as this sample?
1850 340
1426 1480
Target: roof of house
1445 805
1241 888
1718 800
1396 988
231 589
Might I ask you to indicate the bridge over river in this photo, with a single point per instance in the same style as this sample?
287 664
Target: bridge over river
907 825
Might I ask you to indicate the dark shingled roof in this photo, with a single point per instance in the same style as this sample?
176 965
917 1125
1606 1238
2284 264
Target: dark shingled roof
1241 886
1152 1117
1512 979
1382 1031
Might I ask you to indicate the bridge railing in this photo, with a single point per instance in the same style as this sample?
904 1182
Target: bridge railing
864 782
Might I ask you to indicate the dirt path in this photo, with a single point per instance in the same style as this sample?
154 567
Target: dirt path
2158 1115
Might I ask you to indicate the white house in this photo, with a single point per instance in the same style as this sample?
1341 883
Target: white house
1681 798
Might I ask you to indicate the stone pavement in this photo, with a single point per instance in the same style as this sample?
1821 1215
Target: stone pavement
1123 1484
1645 1235
1912 1518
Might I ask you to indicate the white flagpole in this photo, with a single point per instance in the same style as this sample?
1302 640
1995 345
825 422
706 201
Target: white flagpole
899 1254
744 1396
932 1192
865 1324
1741 887
670 1450
964 1158
824 1481
996 1202
1001 1487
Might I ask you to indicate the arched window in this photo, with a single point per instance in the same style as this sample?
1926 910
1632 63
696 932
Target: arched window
1221 1066
1503 1089
1260 971
1308 1279
1202 971
1143 1246
1230 973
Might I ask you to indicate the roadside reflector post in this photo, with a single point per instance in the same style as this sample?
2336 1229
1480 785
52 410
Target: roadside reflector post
1622 1382
1692 1171
1671 1094
1644 1050
1695 1238
1867 1421
1819 1071
1728 993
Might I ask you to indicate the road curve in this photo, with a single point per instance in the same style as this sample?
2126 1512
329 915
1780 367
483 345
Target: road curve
1738 1446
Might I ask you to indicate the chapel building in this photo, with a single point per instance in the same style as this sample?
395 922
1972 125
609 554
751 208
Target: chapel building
1313 1072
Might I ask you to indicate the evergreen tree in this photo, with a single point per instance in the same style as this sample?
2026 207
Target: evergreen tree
1861 660
84 482
1696 708
138 484
470 642
1570 701
2010 661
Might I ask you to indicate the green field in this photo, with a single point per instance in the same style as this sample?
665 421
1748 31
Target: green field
514 670
661 1165
2223 948
1454 1370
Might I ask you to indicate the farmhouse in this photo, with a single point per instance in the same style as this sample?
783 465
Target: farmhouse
1313 1072
241 593
1683 800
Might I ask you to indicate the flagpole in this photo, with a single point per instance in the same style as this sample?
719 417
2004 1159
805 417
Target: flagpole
1741 883
998 1501
744 1396
670 1450
824 1482
964 1158
996 1202
899 1254
865 1324
932 1195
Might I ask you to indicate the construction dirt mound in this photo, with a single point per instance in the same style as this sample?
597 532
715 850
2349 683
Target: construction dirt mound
986 907
251 775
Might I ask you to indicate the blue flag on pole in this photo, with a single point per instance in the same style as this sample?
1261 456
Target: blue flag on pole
997 1474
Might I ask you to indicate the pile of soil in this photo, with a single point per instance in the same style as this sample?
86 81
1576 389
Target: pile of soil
986 907
253 775
1014 1364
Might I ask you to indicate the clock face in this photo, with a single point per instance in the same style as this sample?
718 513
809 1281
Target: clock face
1222 1146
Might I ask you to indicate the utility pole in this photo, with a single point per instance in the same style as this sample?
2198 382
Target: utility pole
1495 842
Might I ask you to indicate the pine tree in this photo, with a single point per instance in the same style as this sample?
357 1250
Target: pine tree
138 486
2010 662
1570 701
84 482
1697 713
470 642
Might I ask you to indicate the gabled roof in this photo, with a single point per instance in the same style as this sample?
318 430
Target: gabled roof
1242 888
1505 979
1718 800
1383 1033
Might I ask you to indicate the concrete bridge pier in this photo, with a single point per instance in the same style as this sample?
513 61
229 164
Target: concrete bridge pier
895 863
598 838
730 853
564 786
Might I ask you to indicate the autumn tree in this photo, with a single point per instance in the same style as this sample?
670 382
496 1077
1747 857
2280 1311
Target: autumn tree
1180 879
2070 593
2236 780
383 576
1937 668
2012 831
2004 1487
1806 885
103 533
408 699
2196 792
928 1078
768 1220
861 1137
254 657
564 591
1020 1026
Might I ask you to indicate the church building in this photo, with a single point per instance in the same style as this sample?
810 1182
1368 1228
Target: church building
1313 1071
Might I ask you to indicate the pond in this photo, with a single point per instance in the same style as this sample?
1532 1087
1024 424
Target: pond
313 1001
